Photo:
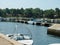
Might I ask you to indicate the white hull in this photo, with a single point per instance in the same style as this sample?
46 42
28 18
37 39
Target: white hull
30 22
27 42
55 44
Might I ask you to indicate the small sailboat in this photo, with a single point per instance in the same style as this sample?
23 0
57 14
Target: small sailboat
22 38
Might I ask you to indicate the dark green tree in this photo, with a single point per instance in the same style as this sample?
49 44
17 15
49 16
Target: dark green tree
57 10
49 13
37 13
28 12
1 12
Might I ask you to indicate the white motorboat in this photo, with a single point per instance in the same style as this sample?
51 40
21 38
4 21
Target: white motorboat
25 39
30 22
55 44
22 38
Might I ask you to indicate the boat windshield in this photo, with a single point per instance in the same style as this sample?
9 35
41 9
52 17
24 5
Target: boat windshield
20 37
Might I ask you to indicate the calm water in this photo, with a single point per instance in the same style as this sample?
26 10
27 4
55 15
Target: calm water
39 33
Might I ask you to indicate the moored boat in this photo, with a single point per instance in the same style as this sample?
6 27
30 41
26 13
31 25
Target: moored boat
25 39
55 44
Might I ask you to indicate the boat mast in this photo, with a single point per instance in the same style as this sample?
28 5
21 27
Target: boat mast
29 30
15 29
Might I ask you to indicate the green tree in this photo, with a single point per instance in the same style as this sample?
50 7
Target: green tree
57 12
37 13
49 13
1 12
28 12
22 11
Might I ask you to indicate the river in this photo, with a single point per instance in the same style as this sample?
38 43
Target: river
39 33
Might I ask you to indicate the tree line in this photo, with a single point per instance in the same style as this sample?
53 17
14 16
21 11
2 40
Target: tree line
30 13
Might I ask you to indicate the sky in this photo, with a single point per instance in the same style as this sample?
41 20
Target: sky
42 4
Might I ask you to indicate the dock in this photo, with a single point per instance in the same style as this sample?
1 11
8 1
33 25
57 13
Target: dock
4 40
54 30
